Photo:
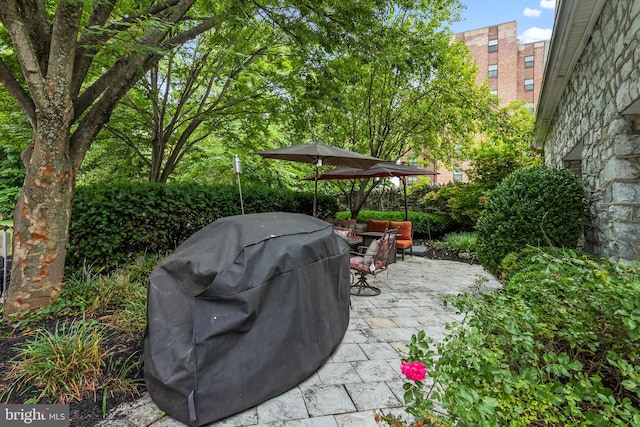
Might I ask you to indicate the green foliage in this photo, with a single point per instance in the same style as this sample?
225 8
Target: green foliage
557 346
532 206
490 164
111 225
80 358
461 201
424 224
459 242
64 364
396 95
11 179
508 130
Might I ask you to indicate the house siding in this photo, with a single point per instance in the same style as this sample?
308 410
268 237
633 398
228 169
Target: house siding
592 115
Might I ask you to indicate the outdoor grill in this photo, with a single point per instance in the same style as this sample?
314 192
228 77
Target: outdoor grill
244 310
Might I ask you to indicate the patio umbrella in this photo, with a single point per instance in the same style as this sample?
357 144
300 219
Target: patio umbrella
379 170
319 154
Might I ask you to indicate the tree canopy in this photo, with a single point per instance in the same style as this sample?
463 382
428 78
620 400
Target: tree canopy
68 63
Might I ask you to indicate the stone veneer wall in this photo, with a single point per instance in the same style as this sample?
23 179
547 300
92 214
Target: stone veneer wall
605 83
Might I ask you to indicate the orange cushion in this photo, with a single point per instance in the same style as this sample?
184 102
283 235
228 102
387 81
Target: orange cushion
404 229
377 226
404 244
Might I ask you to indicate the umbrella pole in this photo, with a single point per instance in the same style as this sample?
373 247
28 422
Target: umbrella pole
315 188
406 209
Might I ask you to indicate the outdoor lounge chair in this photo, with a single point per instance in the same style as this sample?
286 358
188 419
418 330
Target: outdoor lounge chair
376 259
405 236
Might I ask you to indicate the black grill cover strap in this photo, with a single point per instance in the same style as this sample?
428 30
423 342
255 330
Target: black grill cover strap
192 409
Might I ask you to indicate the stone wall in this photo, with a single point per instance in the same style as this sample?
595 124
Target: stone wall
598 112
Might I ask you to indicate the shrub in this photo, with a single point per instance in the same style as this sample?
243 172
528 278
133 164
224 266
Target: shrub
111 225
65 363
425 225
532 206
557 346
459 242
458 200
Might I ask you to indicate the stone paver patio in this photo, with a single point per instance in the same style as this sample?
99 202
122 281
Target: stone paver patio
363 374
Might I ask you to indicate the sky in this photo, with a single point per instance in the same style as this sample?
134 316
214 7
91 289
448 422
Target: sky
534 17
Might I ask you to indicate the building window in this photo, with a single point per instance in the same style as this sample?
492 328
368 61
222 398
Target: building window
528 61
493 70
531 107
494 92
457 175
493 45
528 84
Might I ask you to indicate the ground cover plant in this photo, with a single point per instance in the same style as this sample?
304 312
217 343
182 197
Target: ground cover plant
557 346
85 350
463 242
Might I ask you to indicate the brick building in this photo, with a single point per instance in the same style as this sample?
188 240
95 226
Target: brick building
513 71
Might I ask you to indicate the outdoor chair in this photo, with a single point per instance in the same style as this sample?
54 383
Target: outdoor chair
376 259
405 236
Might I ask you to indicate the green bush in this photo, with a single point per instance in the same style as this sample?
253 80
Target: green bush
459 242
11 179
459 200
425 225
113 224
532 206
558 346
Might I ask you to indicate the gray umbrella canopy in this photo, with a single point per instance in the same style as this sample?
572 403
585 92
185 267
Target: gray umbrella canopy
379 170
319 154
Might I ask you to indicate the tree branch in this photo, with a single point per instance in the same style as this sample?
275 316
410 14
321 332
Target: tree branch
18 93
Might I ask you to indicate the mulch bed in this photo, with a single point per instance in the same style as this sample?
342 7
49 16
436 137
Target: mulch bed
443 254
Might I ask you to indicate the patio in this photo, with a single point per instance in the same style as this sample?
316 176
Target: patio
363 374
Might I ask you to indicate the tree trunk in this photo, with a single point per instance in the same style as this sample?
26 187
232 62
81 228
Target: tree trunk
41 220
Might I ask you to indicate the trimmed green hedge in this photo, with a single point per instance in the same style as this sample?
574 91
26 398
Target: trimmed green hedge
112 224
425 225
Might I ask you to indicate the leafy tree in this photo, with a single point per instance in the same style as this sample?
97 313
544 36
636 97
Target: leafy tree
502 148
195 96
68 63
411 92
506 146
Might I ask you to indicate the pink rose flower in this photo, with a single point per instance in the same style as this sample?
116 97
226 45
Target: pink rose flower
415 371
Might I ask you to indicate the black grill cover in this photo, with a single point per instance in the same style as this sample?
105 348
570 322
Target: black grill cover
242 311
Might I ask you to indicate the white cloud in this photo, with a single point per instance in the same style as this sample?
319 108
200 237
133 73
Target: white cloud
531 13
548 4
535 34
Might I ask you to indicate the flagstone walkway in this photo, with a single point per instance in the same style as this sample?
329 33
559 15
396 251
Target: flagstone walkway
363 374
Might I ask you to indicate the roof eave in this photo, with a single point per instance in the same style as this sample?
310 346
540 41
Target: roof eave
574 23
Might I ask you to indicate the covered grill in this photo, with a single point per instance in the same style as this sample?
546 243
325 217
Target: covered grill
245 309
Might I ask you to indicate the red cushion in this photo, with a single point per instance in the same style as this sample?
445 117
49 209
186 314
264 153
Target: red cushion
377 226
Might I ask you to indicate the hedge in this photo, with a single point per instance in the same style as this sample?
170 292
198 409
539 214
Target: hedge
425 225
112 224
